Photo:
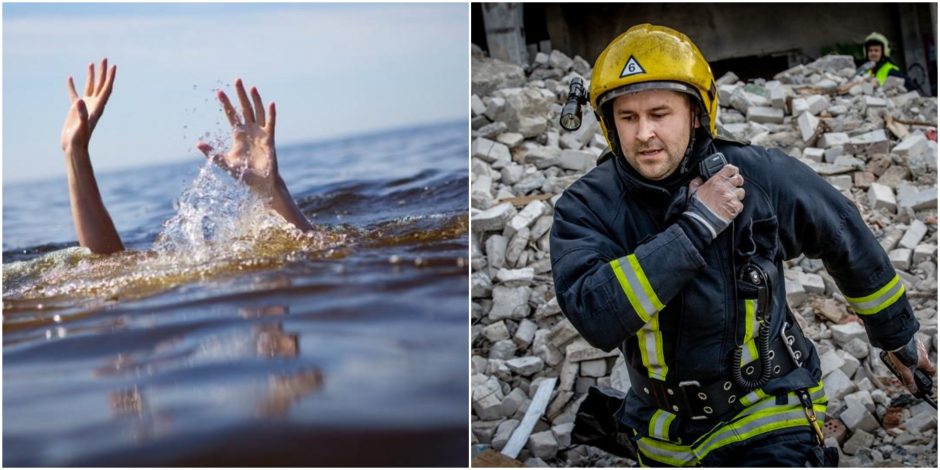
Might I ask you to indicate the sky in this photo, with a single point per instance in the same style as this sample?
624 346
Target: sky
333 70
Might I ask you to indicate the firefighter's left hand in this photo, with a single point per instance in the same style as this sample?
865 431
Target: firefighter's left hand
923 363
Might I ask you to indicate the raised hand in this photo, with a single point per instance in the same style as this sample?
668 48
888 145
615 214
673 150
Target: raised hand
253 158
87 109
93 224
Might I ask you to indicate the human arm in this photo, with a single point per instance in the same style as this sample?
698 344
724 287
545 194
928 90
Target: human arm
610 286
93 224
253 157
818 221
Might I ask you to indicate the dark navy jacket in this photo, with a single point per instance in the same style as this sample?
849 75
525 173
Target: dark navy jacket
612 213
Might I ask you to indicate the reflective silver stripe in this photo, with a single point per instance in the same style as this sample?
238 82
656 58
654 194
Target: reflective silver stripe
704 222
880 300
753 421
636 287
659 424
650 341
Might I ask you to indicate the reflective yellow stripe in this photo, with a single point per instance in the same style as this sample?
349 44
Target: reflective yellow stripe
766 416
659 424
650 341
647 288
749 347
883 298
636 286
618 271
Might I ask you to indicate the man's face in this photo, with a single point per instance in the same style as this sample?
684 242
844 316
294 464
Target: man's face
654 128
874 52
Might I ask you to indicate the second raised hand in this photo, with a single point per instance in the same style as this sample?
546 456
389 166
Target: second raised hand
253 157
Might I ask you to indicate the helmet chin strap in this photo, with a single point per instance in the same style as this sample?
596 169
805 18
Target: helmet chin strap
684 166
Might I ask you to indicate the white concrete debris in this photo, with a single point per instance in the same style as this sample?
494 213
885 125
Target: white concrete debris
818 113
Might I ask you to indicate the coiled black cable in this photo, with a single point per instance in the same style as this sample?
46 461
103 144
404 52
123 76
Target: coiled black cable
763 345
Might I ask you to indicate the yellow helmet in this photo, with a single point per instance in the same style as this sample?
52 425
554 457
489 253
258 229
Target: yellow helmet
648 57
877 38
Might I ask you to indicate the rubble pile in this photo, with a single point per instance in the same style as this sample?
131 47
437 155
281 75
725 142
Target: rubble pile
877 145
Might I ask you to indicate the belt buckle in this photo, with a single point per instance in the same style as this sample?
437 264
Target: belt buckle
685 395
788 344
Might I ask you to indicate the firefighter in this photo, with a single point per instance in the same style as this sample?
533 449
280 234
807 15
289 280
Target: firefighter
879 63
672 249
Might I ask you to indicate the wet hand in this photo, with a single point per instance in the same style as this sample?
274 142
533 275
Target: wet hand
252 158
86 110
722 193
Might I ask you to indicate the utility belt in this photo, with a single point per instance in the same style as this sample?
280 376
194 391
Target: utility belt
693 400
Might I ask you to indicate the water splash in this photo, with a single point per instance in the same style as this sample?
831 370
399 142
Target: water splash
216 215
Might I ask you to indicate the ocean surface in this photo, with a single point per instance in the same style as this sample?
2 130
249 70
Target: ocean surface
223 336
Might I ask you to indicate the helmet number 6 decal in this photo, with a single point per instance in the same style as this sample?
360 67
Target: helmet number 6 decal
632 68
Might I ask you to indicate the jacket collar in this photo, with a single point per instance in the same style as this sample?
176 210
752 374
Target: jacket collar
687 170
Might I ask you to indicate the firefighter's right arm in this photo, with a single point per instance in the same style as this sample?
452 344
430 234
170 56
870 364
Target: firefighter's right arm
609 291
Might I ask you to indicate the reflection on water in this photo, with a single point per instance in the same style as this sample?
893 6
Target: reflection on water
226 337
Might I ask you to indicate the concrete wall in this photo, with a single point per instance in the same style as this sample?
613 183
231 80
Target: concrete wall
725 31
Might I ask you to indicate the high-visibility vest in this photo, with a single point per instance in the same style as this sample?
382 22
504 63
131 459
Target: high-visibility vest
882 73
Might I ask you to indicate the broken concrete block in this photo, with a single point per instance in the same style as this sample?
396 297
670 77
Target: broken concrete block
561 61
812 283
763 114
477 107
838 385
861 398
510 139
525 366
831 153
513 401
814 154
874 102
494 218
807 124
831 139
526 216
814 104
543 444
844 333
487 397
841 182
515 277
562 333
868 143
913 144
900 258
562 434
594 368
496 331
580 350
796 295
480 285
830 361
503 432
857 418
924 199
859 440
542 157
915 233
502 350
925 252
882 197
619 376
525 333
576 160
488 150
510 302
